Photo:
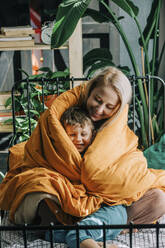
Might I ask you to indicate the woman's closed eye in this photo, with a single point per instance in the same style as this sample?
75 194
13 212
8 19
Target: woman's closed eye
110 107
97 99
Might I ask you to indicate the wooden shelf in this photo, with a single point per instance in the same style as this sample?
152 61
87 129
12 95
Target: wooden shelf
4 152
74 46
39 46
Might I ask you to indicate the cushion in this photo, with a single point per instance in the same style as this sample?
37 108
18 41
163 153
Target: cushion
155 154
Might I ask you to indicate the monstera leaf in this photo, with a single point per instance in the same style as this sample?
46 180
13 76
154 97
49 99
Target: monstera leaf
68 15
127 6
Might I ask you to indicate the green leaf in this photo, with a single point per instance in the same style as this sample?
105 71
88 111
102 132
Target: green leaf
128 6
96 15
100 17
40 75
8 102
148 32
23 137
35 112
97 54
21 70
8 121
68 15
125 69
97 66
59 74
44 69
99 58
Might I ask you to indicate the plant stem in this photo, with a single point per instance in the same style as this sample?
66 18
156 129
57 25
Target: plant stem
125 40
133 60
144 45
154 52
155 37
161 56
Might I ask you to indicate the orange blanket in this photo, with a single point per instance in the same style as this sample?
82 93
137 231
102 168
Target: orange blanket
112 171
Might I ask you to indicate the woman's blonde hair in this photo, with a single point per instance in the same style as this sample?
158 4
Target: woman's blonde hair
112 76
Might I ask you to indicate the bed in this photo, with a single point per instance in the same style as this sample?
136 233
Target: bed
149 236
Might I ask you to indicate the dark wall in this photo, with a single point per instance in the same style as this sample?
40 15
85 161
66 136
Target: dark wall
14 13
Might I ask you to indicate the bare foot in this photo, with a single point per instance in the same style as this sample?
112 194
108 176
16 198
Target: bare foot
107 245
90 243
125 231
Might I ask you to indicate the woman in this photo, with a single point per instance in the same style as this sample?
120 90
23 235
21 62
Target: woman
112 172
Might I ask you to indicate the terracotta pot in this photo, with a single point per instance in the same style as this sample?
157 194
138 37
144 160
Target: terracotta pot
48 100
20 113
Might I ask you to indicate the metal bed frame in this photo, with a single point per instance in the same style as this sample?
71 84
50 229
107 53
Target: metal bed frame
59 82
24 229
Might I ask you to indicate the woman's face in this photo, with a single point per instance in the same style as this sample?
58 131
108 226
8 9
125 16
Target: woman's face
102 102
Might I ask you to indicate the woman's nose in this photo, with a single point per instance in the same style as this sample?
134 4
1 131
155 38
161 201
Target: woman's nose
100 109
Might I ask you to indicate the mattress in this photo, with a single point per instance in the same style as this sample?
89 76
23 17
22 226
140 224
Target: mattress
145 237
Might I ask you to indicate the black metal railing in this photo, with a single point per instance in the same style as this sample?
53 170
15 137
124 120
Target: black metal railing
58 84
27 239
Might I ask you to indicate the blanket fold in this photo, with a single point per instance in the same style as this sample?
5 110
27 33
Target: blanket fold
113 170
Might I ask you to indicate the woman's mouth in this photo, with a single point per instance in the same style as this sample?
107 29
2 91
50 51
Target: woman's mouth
94 115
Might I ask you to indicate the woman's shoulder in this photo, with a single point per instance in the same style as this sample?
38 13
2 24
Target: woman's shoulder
78 92
74 96
80 88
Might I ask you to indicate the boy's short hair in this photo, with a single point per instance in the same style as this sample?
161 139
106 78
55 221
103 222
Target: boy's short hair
74 115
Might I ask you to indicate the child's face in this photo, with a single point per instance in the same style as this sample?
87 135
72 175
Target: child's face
80 136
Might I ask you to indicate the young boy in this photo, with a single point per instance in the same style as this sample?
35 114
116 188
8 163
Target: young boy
80 129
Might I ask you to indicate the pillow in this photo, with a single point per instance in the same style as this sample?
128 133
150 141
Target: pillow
155 154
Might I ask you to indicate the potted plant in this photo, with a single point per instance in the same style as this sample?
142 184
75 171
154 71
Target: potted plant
37 103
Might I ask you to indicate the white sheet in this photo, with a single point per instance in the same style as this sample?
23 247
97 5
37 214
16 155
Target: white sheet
143 238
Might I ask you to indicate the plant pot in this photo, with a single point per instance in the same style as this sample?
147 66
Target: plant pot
48 100
20 113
